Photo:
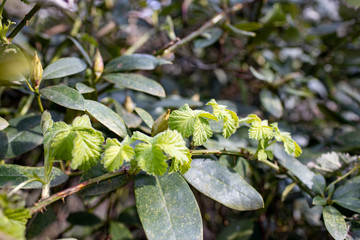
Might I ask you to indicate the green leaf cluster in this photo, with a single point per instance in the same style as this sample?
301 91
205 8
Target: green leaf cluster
78 143
151 155
13 216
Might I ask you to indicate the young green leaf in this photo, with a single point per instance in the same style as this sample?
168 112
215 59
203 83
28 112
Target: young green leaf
115 153
289 144
151 156
231 120
78 143
189 122
260 130
172 143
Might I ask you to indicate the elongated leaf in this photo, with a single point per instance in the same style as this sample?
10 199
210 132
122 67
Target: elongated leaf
64 96
104 186
350 203
219 183
64 67
3 123
134 62
136 82
351 188
210 36
23 134
335 223
309 178
15 174
82 50
107 117
167 208
271 102
145 116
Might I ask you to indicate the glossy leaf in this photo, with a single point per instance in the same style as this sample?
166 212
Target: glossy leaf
167 208
16 174
64 67
335 223
64 96
22 135
351 203
271 102
145 116
103 186
134 62
351 188
219 183
107 117
136 82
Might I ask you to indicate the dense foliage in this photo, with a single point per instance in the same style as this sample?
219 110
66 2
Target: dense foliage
180 119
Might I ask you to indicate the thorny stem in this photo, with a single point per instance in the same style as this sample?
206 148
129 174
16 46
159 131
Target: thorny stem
61 195
213 21
24 22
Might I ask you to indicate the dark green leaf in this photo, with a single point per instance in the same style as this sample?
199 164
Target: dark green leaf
23 134
118 231
134 62
349 202
239 230
107 117
271 102
319 201
64 67
64 96
305 175
83 88
40 222
83 219
15 174
210 36
335 223
82 50
219 183
136 82
351 188
167 208
104 186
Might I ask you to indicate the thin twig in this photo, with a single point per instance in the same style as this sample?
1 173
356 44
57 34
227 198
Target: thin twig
213 21
24 22
61 195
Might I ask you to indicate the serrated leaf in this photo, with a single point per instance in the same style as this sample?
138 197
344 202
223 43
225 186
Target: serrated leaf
183 120
150 159
335 223
172 143
167 208
202 131
78 143
115 153
134 62
136 82
189 122
14 175
219 183
64 96
261 155
260 130
230 118
145 116
64 67
290 145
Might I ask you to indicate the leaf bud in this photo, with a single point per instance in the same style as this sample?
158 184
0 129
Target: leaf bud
161 123
37 71
98 65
